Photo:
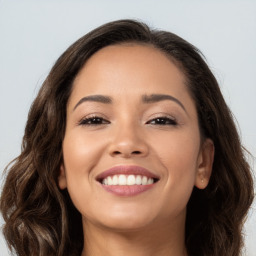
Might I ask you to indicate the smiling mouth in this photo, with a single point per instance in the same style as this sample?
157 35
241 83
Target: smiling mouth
128 180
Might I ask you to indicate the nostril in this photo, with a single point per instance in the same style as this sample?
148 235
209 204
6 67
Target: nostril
126 153
136 152
116 153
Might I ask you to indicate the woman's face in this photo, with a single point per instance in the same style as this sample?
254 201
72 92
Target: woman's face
132 150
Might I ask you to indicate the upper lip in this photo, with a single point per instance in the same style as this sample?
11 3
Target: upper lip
126 170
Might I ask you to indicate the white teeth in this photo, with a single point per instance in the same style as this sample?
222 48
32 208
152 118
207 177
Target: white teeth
115 180
122 180
130 180
138 180
109 179
144 180
127 180
150 181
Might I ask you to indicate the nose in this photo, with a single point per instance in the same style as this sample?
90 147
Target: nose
128 142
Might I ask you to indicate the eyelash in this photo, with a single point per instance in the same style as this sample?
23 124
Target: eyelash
163 120
93 121
96 120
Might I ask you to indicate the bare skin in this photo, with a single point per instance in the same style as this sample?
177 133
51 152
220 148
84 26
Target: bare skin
130 107
106 242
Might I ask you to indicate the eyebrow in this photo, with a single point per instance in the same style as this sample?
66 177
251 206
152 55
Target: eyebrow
153 98
161 97
94 98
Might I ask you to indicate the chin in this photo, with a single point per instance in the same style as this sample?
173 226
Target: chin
124 220
126 226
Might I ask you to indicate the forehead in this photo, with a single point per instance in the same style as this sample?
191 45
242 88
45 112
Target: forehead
134 56
130 50
131 69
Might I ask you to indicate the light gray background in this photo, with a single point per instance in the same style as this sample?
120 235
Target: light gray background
34 33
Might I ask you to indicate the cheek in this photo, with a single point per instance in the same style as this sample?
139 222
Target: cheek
178 156
81 152
178 151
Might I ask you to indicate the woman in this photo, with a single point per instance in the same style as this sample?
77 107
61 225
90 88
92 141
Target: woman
129 149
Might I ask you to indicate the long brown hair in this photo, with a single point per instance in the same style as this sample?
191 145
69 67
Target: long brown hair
40 219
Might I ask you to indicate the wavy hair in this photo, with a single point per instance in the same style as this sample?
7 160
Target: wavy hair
40 219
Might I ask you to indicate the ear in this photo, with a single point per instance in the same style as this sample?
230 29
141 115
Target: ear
204 164
62 181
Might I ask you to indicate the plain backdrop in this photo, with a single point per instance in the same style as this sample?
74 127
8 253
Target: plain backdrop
34 33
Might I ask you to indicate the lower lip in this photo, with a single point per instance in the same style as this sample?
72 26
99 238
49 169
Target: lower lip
132 190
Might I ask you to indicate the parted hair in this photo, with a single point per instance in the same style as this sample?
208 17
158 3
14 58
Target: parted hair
41 220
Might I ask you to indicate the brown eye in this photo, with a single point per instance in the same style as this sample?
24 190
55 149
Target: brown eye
162 121
93 121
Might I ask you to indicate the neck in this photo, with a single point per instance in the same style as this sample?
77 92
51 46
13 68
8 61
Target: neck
161 240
